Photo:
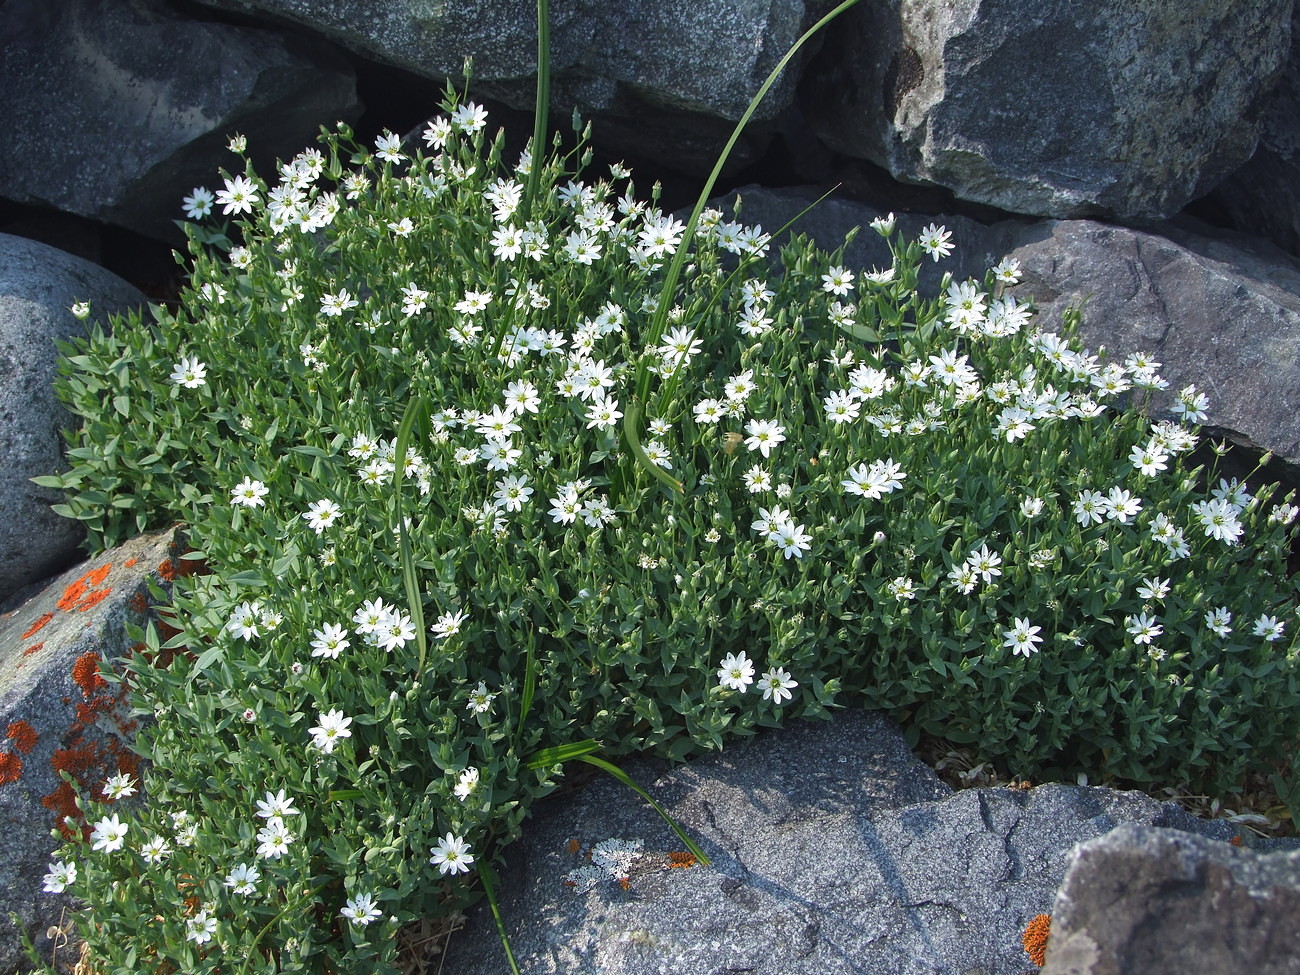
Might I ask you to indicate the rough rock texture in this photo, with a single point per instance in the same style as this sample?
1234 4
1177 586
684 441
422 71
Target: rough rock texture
38 284
1219 310
57 714
1262 197
1115 107
121 107
663 79
1142 900
833 850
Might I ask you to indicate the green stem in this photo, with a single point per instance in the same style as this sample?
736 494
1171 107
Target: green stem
541 105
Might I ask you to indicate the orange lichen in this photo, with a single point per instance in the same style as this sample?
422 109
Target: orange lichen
11 767
85 673
35 627
34 648
22 735
681 860
139 602
167 570
1235 841
82 595
574 846
1035 938
129 562
624 882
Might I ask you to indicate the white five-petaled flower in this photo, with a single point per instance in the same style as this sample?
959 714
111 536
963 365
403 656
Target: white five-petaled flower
466 783
249 493
329 641
201 926
448 624
1022 637
452 855
239 196
934 240
60 877
189 372
243 879
321 514
275 804
1269 627
361 910
332 729
199 203
119 786
763 436
736 672
776 685
273 839
109 834
1143 628
837 281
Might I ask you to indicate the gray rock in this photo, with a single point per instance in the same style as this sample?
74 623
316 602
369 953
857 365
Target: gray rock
120 107
56 715
1220 311
38 285
1112 108
833 850
1142 900
662 79
1261 197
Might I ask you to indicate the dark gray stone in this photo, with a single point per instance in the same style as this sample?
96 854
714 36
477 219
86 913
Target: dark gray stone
119 107
1262 197
1110 108
834 850
1221 311
81 612
663 79
1140 900
38 285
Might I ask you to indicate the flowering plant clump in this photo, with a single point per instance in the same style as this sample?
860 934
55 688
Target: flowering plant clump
479 494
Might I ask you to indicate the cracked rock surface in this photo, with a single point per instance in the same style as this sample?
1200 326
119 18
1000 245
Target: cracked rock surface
833 850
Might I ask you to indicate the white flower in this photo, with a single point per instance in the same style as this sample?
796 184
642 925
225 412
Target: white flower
189 372
119 787
1218 620
80 310
329 641
109 834
984 563
321 514
396 630
452 855
883 225
389 146
776 684
361 910
61 876
466 783
1153 589
736 672
332 729
448 624
480 701
1219 519
934 241
273 839
763 436
238 197
156 850
512 492
200 927
1143 628
249 493
1269 627
1022 637
198 204
792 540
243 879
371 617
275 804
837 281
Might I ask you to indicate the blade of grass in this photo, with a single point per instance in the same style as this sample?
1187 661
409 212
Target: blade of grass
485 874
623 777
416 410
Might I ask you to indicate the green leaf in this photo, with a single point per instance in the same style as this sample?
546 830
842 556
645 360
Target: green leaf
559 754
